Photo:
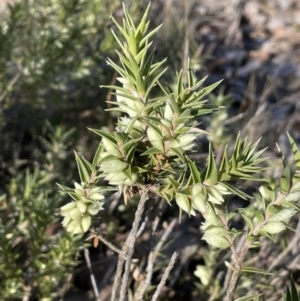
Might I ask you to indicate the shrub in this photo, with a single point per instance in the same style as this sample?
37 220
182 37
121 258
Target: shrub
148 155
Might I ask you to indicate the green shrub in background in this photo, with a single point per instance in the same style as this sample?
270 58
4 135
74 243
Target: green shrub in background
35 260
51 54
52 47
148 155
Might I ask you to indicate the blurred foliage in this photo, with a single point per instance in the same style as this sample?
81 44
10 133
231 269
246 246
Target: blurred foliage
35 260
52 59
51 55
54 47
291 292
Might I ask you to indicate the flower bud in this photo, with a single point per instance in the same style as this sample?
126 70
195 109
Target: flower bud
197 189
93 209
81 206
215 237
222 189
66 221
113 165
96 196
86 223
74 226
273 227
184 203
65 210
155 139
202 272
74 213
111 147
214 196
134 178
198 203
116 178
168 114
128 103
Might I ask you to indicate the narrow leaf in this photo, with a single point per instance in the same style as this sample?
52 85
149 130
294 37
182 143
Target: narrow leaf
255 270
246 298
83 172
194 170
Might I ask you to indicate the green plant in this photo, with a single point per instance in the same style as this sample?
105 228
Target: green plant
35 259
291 292
219 136
148 155
51 53
58 45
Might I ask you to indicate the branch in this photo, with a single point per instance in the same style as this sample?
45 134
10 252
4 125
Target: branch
119 271
88 262
109 244
165 277
151 259
235 274
131 241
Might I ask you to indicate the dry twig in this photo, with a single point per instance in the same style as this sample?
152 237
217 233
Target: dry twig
151 259
165 277
128 250
93 280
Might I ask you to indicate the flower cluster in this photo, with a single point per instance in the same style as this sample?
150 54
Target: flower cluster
86 203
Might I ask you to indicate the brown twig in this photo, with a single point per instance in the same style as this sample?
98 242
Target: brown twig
109 244
119 271
149 269
187 254
235 274
151 259
129 247
165 277
142 226
93 280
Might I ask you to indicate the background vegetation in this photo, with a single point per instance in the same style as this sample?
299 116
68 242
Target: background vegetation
52 61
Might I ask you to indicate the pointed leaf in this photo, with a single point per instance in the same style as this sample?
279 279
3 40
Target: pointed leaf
255 270
295 150
83 172
178 152
149 35
96 158
248 221
246 298
194 170
211 171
